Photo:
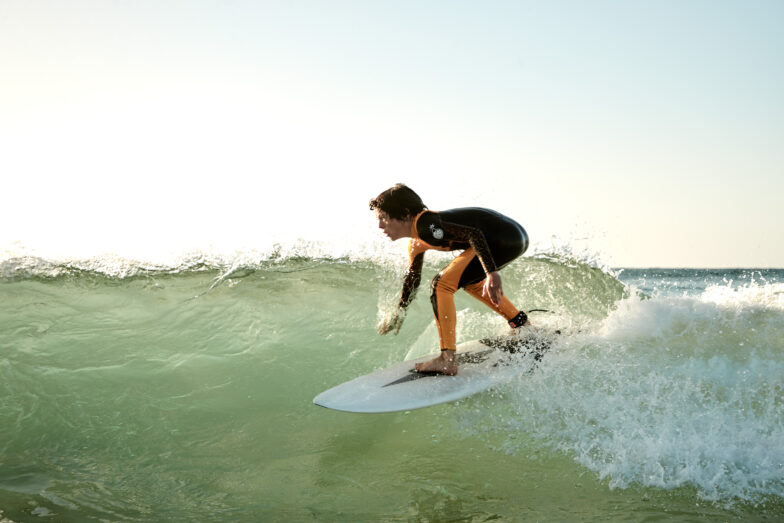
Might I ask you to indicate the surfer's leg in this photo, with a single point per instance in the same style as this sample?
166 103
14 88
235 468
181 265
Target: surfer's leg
504 251
505 308
442 296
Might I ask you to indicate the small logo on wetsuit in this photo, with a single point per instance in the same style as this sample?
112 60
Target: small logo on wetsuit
437 233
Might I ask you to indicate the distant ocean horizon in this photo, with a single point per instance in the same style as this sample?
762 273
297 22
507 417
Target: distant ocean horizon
181 389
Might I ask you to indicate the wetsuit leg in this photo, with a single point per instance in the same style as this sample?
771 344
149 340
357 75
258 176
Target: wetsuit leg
506 308
442 296
473 277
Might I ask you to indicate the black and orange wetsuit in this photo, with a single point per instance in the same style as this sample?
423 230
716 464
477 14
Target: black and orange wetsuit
489 240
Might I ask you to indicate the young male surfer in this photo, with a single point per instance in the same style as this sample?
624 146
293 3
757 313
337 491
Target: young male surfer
489 241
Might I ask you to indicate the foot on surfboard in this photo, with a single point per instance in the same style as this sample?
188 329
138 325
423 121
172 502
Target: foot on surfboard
444 363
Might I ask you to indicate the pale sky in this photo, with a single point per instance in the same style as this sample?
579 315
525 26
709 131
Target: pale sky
648 133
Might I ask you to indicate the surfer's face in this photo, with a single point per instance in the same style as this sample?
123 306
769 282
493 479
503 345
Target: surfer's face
393 228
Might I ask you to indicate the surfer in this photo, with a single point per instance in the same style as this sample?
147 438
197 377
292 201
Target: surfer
489 240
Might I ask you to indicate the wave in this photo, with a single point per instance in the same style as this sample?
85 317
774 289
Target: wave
666 379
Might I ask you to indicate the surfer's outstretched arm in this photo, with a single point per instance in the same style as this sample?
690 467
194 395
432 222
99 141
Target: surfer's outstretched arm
411 281
410 285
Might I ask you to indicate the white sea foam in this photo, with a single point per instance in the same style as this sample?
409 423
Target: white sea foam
671 392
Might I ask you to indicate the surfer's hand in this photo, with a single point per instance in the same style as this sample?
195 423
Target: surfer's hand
492 287
391 324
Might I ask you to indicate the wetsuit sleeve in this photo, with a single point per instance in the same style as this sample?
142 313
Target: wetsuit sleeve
476 239
412 280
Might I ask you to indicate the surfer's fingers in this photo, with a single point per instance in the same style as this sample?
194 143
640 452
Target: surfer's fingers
398 323
486 289
496 297
493 289
385 327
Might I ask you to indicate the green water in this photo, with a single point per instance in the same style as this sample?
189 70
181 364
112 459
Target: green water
187 397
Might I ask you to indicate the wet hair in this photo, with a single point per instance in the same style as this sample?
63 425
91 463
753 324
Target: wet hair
399 202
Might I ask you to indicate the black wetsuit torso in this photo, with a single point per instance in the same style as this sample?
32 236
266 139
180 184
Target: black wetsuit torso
505 239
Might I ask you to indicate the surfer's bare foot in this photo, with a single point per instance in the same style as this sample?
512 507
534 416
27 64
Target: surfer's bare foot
444 363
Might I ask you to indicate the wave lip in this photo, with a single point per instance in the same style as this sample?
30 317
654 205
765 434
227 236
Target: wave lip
20 265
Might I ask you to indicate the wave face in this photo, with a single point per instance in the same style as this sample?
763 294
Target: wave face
138 391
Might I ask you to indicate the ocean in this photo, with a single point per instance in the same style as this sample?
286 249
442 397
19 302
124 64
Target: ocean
141 391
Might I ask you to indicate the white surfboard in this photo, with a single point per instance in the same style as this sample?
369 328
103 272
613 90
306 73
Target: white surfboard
482 365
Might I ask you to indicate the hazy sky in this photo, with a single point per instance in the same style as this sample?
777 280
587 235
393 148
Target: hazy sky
648 132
